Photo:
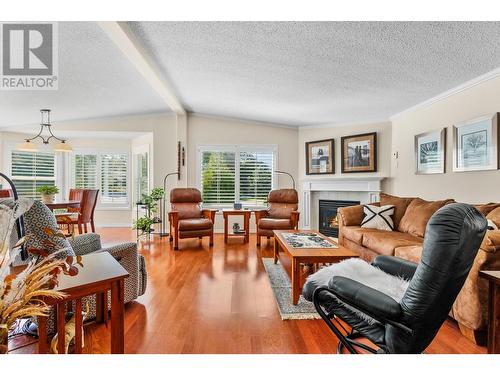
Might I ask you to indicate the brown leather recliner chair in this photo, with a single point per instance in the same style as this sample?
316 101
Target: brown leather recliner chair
281 213
187 219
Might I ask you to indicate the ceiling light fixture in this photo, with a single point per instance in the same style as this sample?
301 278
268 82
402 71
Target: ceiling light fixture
61 146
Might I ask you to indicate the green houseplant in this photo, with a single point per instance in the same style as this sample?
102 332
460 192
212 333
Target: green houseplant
150 204
48 192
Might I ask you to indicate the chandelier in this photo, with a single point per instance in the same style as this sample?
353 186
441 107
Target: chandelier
46 135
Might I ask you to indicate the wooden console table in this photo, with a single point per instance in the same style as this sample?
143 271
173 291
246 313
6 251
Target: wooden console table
493 278
100 273
246 224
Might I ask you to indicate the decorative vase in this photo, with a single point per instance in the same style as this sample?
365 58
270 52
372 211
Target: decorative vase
4 338
48 198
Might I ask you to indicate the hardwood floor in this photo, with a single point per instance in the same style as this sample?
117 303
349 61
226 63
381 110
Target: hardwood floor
202 300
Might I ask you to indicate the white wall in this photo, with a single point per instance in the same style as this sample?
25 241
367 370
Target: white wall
470 187
219 131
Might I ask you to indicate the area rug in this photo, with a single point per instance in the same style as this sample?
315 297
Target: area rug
282 289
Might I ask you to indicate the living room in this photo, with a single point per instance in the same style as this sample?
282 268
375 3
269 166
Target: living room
255 187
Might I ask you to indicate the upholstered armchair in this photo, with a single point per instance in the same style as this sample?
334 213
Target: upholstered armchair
187 218
281 213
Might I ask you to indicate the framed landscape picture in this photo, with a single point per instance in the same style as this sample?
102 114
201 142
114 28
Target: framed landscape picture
430 152
320 157
475 144
359 153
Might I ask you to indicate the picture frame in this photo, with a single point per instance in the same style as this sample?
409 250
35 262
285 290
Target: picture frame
430 152
475 144
359 153
320 157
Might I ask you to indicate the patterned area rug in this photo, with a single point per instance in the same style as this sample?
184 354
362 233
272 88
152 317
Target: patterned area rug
280 283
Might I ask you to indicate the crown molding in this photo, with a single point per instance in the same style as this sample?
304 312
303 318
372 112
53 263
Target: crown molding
462 87
345 124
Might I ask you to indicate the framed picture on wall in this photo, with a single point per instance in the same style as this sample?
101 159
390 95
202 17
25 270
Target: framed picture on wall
475 144
430 152
359 153
320 157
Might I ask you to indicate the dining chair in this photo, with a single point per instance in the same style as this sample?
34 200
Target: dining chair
5 193
84 214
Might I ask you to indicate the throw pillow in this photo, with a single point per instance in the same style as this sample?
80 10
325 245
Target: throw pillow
418 214
400 205
36 219
494 216
492 225
378 217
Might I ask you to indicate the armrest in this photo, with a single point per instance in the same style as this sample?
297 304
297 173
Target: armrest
173 218
294 218
351 215
259 214
368 300
86 243
209 214
491 241
395 266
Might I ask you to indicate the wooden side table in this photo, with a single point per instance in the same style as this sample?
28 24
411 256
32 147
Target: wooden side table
100 273
246 224
493 278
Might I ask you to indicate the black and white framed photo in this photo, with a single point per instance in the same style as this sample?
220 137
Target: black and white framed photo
320 157
430 152
475 144
359 153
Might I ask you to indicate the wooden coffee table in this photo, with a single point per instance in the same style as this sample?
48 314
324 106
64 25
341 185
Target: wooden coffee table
297 256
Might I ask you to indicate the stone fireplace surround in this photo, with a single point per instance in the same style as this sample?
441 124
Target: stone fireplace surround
363 189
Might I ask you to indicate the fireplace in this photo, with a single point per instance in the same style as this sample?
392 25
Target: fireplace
328 224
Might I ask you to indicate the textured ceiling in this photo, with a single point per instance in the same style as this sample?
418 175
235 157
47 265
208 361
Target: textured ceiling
301 73
95 80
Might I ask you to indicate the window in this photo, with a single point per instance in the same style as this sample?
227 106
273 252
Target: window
85 172
30 170
108 172
141 174
229 174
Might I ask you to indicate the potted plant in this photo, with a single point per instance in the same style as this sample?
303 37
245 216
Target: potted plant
48 192
149 203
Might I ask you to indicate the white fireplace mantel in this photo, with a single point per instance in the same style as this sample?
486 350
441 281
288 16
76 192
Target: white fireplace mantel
367 187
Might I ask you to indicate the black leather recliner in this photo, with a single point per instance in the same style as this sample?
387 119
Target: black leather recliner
452 239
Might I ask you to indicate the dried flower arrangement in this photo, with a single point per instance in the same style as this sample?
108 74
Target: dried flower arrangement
22 294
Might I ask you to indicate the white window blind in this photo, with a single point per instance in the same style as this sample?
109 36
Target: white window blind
256 177
107 172
218 177
114 178
30 170
85 171
236 173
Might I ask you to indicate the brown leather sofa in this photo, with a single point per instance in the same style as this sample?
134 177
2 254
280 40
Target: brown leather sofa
470 309
187 218
281 213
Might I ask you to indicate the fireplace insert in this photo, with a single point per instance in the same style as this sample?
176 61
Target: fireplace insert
328 223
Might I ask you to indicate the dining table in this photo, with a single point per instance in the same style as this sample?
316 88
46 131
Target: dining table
62 204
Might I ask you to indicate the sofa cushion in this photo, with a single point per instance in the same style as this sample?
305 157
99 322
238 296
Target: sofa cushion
412 253
486 208
378 217
355 233
418 214
494 215
400 205
268 223
195 224
384 242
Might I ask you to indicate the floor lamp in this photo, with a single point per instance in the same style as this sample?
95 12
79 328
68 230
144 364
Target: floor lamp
163 215
289 175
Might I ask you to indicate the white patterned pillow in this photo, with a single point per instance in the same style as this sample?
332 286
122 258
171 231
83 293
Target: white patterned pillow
378 217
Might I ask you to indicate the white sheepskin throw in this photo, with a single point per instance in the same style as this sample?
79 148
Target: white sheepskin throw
362 272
